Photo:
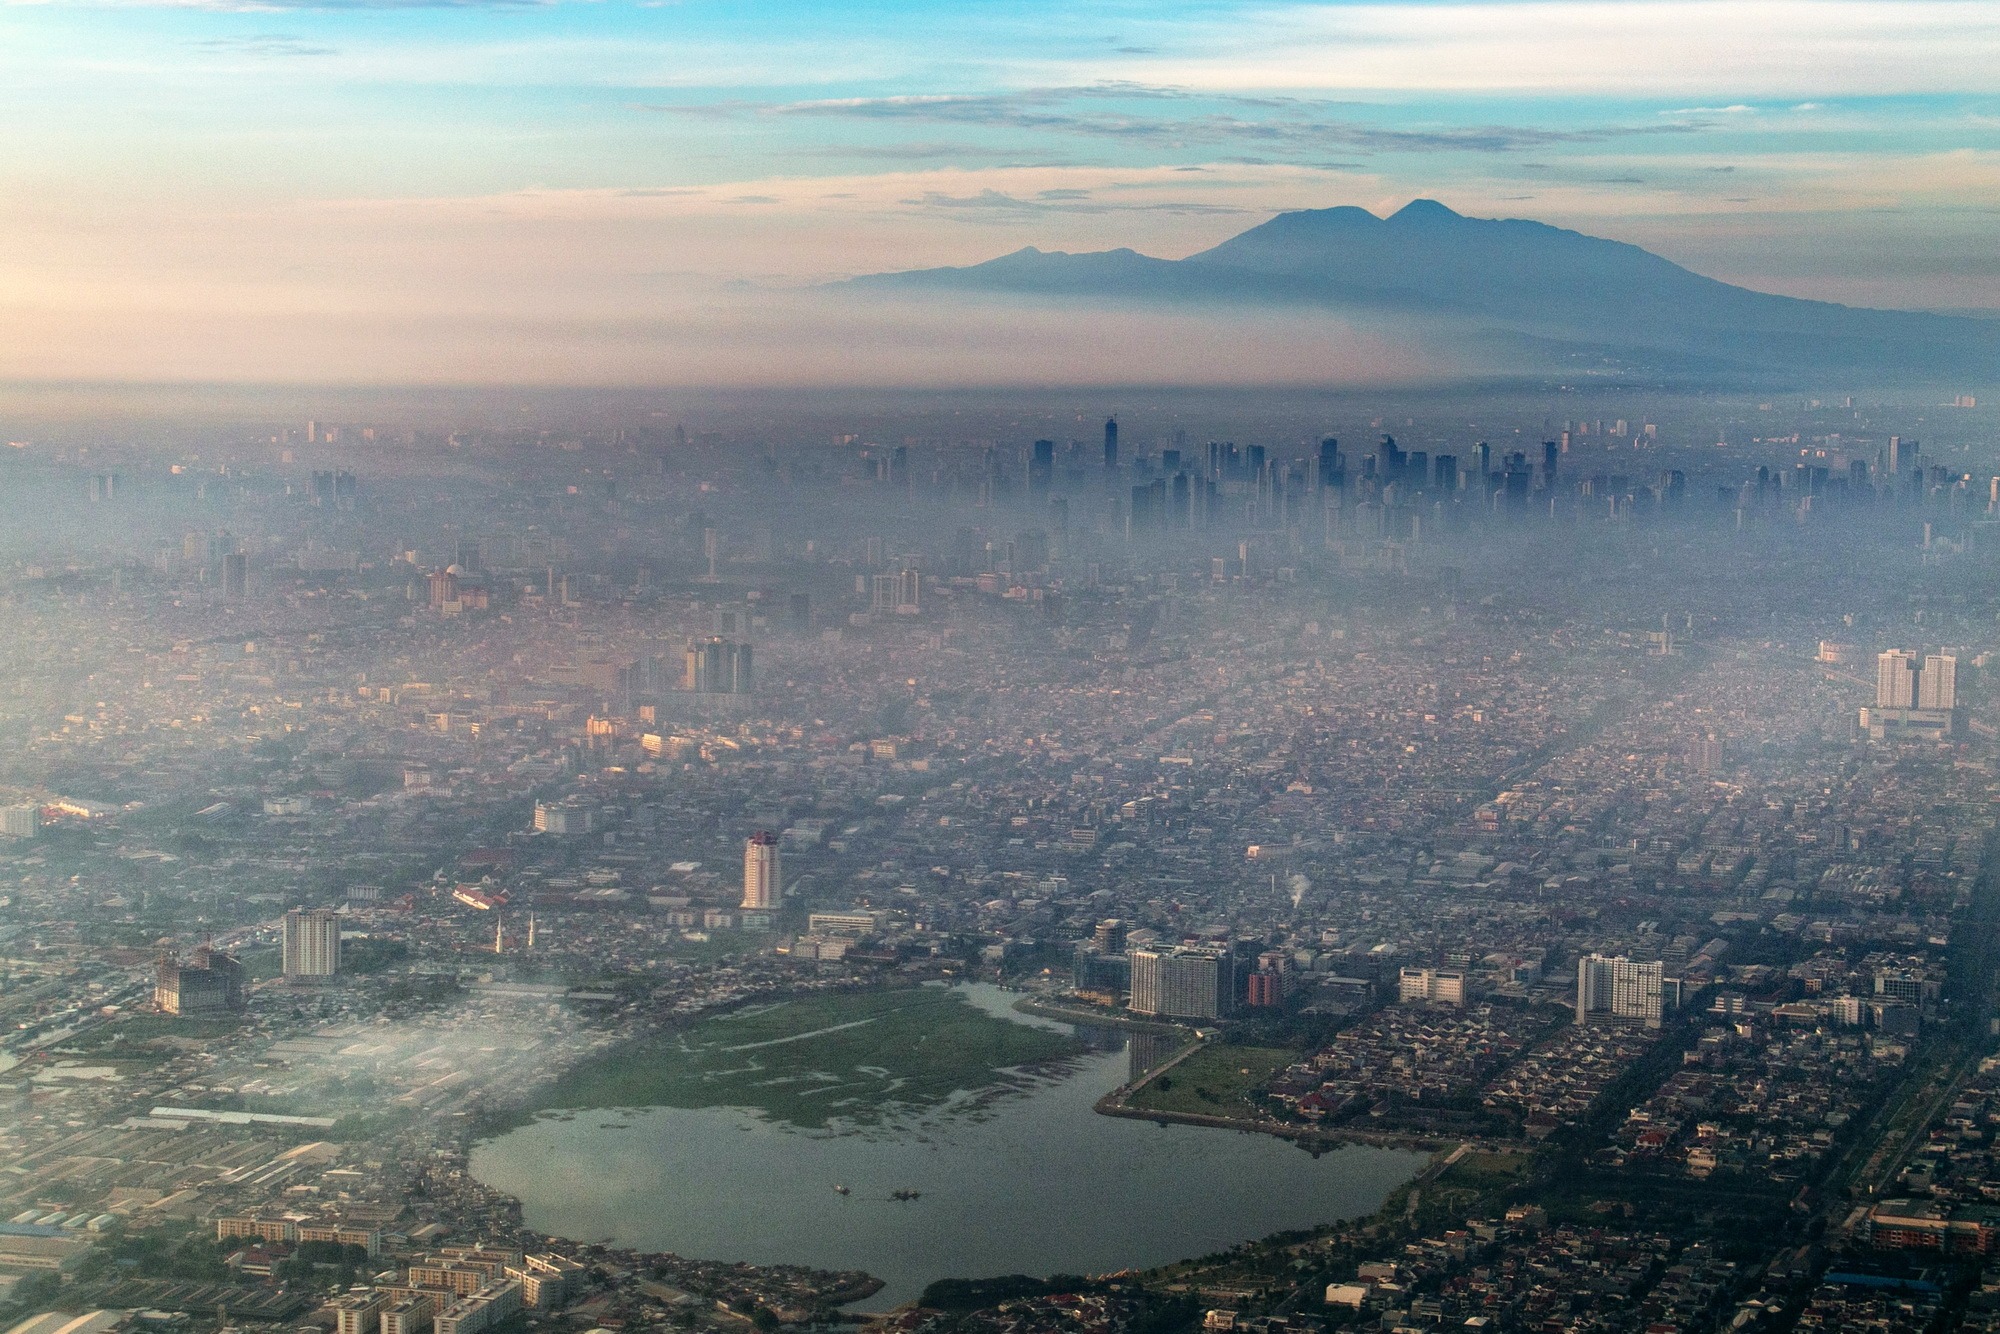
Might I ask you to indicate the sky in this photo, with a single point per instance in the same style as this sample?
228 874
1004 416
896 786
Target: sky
620 192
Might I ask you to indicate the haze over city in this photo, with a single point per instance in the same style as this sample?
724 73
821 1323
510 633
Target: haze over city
1224 668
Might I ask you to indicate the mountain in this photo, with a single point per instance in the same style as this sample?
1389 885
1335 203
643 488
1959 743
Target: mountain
1490 275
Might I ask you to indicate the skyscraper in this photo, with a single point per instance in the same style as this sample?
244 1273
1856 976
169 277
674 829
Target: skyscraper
1331 473
1110 444
1618 989
761 886
717 666
1042 467
1896 680
312 943
1937 688
1184 982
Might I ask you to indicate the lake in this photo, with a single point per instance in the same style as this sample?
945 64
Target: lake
1031 1182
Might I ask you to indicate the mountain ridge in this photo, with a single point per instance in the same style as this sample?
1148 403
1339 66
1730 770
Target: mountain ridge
1516 275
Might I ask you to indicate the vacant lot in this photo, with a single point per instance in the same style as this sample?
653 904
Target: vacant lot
1216 1081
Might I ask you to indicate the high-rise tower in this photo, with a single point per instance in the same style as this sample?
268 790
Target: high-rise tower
312 943
761 886
1896 680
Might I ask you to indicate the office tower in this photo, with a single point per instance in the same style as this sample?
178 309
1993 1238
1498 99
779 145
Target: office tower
1937 688
1144 512
236 575
468 555
761 886
1904 455
1549 451
802 615
1896 680
717 666
1389 460
1331 471
312 943
1183 982
1110 444
1482 458
1706 755
1042 467
1109 936
1618 989
312 433
899 466
1445 468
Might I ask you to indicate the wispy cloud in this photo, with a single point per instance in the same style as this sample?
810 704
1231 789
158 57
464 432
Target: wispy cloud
1271 125
265 44
1062 201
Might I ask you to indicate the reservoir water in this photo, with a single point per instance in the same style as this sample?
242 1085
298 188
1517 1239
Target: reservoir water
1033 1182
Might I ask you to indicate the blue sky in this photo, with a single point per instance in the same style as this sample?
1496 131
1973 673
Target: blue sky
299 190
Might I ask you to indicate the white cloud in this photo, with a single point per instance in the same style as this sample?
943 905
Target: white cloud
1769 48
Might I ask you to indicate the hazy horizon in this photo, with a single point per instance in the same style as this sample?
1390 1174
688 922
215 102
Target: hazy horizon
630 193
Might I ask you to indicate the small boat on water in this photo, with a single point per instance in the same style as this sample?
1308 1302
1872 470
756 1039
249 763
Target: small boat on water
840 1190
906 1195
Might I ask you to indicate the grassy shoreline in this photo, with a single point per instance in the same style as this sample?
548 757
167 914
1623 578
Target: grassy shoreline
850 1058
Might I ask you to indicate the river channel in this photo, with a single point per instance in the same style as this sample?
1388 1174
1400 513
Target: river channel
1032 1182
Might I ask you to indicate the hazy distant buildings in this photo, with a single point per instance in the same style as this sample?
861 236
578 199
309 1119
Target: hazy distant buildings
20 821
1937 688
1912 699
899 594
210 982
563 818
1182 982
312 944
1431 986
1896 680
1619 989
761 886
717 666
